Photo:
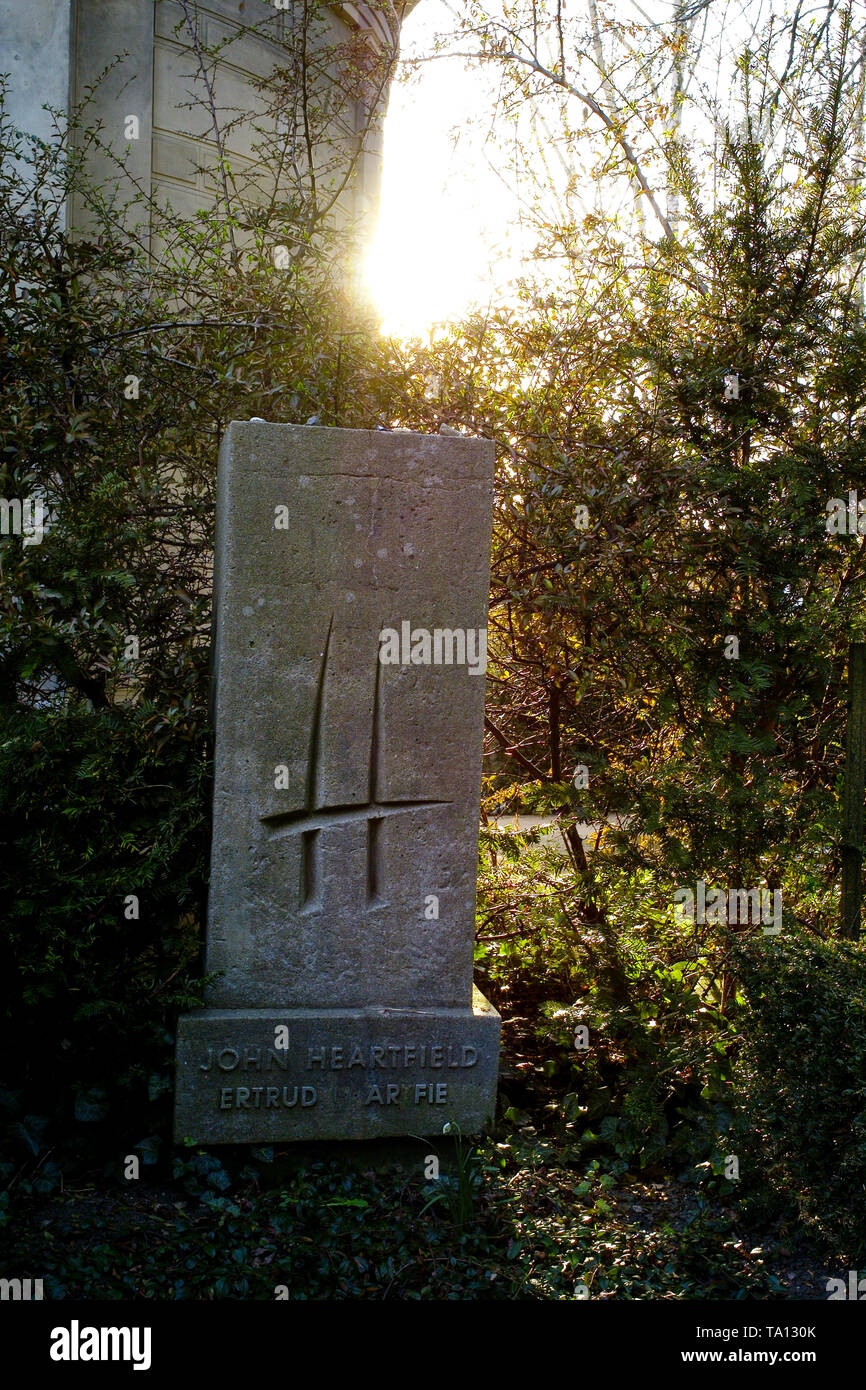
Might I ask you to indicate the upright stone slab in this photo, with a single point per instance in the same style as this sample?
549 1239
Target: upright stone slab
351 583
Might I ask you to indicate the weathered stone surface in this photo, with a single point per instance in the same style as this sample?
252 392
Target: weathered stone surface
36 55
346 1074
319 889
346 790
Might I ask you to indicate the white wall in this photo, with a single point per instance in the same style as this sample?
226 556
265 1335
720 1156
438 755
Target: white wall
34 50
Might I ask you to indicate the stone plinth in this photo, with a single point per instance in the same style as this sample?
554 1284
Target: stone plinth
345 1074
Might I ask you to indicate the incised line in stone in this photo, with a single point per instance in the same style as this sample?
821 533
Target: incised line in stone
311 819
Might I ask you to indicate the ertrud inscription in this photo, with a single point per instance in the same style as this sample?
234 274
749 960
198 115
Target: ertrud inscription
246 1097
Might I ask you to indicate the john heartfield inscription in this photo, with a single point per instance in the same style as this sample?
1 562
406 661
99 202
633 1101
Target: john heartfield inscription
337 1058
350 593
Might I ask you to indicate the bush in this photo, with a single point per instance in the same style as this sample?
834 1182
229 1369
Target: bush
100 903
801 1082
119 374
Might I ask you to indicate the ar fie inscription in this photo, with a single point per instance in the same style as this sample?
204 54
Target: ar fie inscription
433 1092
313 818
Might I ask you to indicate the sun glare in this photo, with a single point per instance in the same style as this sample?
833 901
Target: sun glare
452 232
431 254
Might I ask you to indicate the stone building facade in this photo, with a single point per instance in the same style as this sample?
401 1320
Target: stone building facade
176 90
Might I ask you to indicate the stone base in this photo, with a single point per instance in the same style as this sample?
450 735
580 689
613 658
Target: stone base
345 1073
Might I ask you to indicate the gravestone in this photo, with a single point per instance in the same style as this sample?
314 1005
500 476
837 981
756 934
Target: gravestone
350 588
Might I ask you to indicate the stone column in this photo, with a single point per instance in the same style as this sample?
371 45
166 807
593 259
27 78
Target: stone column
117 35
352 572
